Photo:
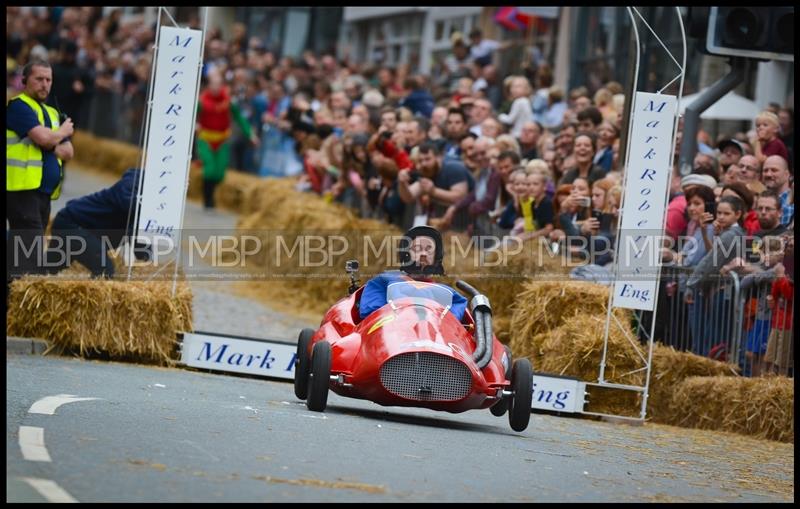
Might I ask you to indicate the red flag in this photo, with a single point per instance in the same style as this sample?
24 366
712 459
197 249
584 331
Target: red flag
507 17
525 19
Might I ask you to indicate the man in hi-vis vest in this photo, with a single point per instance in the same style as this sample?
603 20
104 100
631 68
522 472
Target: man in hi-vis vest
37 145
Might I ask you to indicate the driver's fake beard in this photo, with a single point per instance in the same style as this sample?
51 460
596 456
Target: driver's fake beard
413 269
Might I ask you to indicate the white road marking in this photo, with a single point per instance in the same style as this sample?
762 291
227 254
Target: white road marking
49 404
50 490
31 441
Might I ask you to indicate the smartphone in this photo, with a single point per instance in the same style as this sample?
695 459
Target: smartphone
584 202
711 208
605 221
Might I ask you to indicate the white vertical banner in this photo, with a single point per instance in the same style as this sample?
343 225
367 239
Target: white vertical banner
647 177
169 138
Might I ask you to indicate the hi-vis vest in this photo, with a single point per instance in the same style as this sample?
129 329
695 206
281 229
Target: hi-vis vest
24 157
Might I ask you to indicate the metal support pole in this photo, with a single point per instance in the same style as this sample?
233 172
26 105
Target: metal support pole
692 115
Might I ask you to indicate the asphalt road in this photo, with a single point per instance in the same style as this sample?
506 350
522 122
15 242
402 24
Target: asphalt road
158 434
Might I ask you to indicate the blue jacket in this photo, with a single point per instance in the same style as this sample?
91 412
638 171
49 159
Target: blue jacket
420 102
373 296
108 211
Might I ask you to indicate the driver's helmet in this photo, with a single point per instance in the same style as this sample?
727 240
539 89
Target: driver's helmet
409 267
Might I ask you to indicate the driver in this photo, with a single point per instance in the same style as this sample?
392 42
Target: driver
421 255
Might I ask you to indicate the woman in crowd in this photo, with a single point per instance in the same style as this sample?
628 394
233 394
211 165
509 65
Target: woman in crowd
584 148
699 237
607 134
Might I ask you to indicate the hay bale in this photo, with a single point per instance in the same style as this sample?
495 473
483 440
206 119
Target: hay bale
761 407
126 320
284 216
231 192
503 276
543 306
576 348
105 155
670 368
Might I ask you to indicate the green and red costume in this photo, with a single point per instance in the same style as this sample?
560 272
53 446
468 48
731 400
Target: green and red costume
214 113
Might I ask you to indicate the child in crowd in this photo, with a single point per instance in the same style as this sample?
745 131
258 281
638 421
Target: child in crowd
521 109
530 215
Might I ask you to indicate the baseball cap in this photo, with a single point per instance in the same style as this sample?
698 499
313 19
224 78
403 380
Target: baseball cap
699 180
372 98
731 142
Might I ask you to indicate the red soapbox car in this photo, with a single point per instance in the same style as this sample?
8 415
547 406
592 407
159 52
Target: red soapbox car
413 352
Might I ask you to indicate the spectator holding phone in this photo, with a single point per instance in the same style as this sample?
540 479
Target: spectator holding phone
438 184
596 227
700 208
574 209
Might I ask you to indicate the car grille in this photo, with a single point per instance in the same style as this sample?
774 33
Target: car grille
426 376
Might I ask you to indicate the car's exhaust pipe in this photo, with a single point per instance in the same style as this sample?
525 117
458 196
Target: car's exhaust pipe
482 312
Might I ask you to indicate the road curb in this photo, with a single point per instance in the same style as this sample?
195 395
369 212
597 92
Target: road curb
26 346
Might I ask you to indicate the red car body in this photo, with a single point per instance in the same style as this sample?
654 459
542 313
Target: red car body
410 353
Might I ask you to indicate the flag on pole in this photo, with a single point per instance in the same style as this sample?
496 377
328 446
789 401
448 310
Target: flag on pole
511 19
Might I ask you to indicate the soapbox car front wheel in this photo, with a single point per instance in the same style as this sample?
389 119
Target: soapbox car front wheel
320 377
501 407
302 364
519 415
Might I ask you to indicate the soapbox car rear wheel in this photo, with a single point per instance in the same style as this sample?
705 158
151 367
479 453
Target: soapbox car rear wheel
519 415
499 409
302 364
320 377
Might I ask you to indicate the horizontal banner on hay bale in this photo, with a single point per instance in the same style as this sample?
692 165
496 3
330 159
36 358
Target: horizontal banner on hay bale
261 357
275 359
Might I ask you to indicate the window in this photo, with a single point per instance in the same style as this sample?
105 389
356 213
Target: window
439 31
397 35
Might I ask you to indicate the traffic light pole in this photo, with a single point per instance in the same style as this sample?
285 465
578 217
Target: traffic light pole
691 117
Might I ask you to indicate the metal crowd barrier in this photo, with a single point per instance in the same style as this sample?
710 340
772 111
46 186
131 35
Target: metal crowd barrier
729 320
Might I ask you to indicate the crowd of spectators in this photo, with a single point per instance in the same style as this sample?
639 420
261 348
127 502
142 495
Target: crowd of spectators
463 148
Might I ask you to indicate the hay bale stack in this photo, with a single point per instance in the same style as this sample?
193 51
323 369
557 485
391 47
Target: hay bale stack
670 368
543 306
576 348
502 278
761 407
127 320
284 216
231 193
105 155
